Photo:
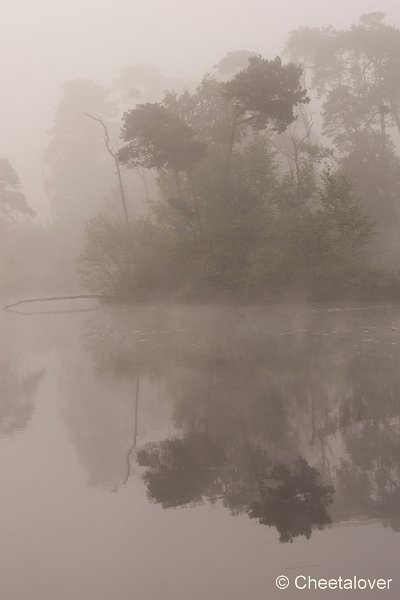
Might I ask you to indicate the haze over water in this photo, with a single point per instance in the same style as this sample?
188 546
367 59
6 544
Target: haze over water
177 452
199 271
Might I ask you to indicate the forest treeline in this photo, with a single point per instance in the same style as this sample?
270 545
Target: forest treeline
271 179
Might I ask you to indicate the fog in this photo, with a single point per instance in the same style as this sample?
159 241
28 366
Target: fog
136 440
200 289
47 42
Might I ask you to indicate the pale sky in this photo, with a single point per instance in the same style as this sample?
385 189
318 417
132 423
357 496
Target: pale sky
45 42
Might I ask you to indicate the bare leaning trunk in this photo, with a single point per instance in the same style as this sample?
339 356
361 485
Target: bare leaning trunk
116 161
121 188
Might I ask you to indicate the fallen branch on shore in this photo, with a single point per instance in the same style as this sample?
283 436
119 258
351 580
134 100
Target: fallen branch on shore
77 297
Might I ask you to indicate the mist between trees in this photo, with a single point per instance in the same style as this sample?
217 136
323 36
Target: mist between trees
271 179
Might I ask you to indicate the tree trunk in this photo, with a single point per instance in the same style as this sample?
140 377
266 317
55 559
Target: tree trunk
297 169
388 199
121 189
383 130
231 143
196 204
48 194
143 177
395 113
116 161
136 411
385 189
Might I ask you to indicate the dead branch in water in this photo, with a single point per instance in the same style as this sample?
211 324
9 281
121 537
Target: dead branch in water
9 306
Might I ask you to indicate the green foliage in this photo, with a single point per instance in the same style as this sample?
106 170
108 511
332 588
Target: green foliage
266 92
305 500
206 111
130 262
158 138
319 247
12 201
251 249
351 227
257 230
234 61
355 73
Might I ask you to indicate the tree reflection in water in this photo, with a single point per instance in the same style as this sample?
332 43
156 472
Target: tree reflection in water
296 427
17 393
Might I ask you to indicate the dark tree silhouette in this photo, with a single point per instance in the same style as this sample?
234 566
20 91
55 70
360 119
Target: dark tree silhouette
294 502
264 94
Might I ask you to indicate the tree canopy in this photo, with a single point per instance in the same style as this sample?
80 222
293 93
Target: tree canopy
159 139
12 199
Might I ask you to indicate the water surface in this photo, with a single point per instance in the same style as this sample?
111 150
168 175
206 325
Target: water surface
197 452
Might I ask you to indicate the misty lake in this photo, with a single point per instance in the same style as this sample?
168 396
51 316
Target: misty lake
193 453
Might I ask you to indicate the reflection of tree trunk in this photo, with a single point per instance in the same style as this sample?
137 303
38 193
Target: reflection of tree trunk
312 408
209 387
252 462
325 465
136 411
135 431
177 184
